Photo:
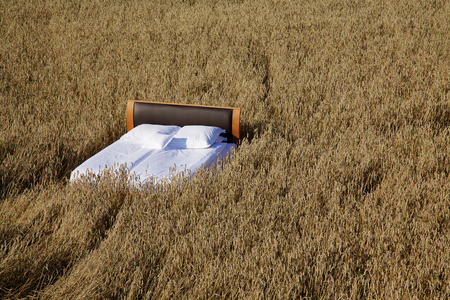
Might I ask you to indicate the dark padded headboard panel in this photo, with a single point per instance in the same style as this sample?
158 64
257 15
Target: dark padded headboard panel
141 112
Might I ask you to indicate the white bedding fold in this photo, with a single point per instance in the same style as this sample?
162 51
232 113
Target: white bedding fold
120 153
163 164
150 164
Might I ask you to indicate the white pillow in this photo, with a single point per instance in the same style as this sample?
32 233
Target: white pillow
151 136
195 136
220 139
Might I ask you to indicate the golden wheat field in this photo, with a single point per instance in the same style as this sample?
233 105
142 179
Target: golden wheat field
340 187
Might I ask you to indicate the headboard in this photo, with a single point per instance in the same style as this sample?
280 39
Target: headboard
144 112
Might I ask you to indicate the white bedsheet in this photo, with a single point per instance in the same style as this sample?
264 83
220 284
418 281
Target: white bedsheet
151 165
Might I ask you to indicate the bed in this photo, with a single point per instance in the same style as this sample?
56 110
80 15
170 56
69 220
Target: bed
164 140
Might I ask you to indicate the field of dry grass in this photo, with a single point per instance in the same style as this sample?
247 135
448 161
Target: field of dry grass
340 189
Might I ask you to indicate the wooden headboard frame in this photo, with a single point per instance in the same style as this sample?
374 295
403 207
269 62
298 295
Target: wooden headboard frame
144 112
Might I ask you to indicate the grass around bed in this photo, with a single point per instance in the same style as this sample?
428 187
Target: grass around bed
340 188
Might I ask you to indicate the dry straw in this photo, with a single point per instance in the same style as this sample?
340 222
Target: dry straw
340 188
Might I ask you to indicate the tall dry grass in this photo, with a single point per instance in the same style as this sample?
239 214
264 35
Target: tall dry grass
340 188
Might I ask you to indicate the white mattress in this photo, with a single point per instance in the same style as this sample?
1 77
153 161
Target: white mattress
151 165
